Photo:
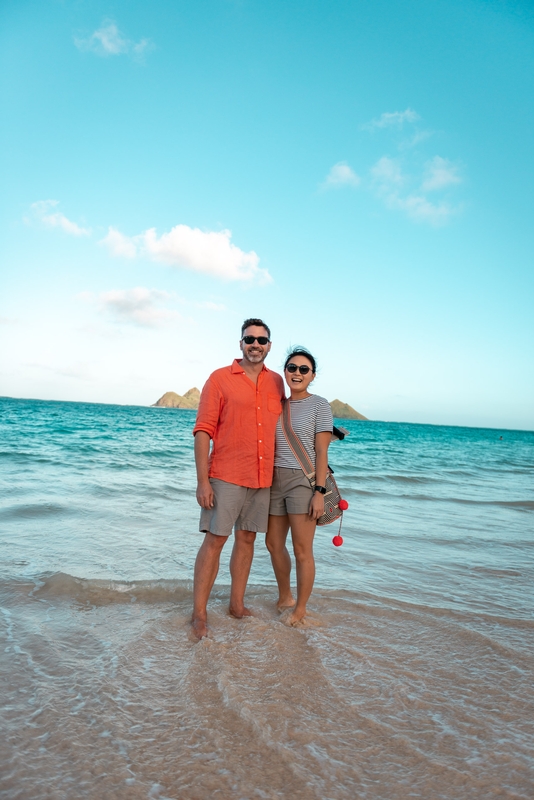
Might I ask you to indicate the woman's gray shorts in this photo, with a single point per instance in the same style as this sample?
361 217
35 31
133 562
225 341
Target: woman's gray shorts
235 506
291 492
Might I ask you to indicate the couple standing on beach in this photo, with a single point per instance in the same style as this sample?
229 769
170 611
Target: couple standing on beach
251 482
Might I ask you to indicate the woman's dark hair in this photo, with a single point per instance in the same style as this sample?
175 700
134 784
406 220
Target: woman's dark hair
301 351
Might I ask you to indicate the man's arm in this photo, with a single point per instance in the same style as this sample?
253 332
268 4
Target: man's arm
206 423
202 452
281 387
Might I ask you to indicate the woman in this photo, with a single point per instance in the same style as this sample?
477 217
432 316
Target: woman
294 504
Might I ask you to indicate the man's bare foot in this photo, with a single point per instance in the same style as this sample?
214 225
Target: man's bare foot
200 628
285 602
239 613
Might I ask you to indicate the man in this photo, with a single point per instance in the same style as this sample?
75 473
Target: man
239 408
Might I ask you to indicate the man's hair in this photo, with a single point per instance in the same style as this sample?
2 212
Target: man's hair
259 324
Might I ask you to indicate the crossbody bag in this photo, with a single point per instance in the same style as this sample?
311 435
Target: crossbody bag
332 497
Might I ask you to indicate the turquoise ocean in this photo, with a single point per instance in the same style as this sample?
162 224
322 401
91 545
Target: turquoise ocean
414 678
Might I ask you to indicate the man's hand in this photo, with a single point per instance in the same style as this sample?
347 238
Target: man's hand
202 451
316 506
204 494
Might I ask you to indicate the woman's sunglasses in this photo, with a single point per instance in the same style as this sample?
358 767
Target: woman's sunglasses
259 339
302 369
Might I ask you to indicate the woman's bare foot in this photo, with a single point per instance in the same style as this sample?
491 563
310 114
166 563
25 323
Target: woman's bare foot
296 618
239 613
285 602
200 628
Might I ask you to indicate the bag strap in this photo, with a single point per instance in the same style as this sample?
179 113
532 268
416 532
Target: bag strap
296 446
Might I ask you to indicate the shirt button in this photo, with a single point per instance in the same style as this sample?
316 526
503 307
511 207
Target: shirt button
260 440
261 457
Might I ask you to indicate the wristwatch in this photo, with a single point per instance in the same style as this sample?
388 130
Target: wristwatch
321 489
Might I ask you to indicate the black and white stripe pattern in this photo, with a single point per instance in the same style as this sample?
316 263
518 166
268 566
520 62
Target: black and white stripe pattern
308 417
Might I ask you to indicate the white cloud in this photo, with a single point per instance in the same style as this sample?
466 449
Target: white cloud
141 46
109 41
341 175
119 245
417 138
139 306
404 183
42 210
395 119
420 209
439 173
388 182
209 252
387 172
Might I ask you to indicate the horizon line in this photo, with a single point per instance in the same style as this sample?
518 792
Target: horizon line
383 421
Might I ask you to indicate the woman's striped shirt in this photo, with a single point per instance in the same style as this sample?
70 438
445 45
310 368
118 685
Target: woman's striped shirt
308 417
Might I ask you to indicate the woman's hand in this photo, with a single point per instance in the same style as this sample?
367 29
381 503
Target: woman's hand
316 506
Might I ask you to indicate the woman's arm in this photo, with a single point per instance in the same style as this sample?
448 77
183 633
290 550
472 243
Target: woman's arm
322 440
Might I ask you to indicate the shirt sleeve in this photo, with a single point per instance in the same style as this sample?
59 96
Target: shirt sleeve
323 417
209 408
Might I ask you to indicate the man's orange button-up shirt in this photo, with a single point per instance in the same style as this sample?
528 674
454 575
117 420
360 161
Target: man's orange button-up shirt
241 419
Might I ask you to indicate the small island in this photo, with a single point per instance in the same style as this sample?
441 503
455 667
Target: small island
191 400
344 411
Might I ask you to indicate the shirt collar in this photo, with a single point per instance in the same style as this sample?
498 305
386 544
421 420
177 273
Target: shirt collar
236 367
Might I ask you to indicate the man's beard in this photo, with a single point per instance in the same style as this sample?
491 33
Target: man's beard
255 358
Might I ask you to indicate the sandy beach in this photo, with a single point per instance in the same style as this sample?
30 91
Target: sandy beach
412 679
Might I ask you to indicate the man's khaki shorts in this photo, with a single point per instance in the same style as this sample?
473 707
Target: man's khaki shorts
235 507
291 492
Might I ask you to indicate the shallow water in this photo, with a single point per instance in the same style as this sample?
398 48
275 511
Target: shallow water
413 678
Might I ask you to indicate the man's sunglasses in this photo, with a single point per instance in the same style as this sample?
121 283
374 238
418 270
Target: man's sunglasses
258 339
303 369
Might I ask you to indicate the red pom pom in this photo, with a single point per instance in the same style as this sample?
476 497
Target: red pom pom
337 541
343 505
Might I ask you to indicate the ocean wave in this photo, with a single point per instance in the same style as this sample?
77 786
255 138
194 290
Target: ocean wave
33 510
90 591
418 479
351 490
521 505
394 608
497 573
103 592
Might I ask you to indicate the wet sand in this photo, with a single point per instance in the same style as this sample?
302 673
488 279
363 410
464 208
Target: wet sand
108 695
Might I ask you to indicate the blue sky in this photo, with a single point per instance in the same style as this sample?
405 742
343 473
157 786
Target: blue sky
357 173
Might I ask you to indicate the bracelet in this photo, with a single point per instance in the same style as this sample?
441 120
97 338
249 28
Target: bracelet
321 489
